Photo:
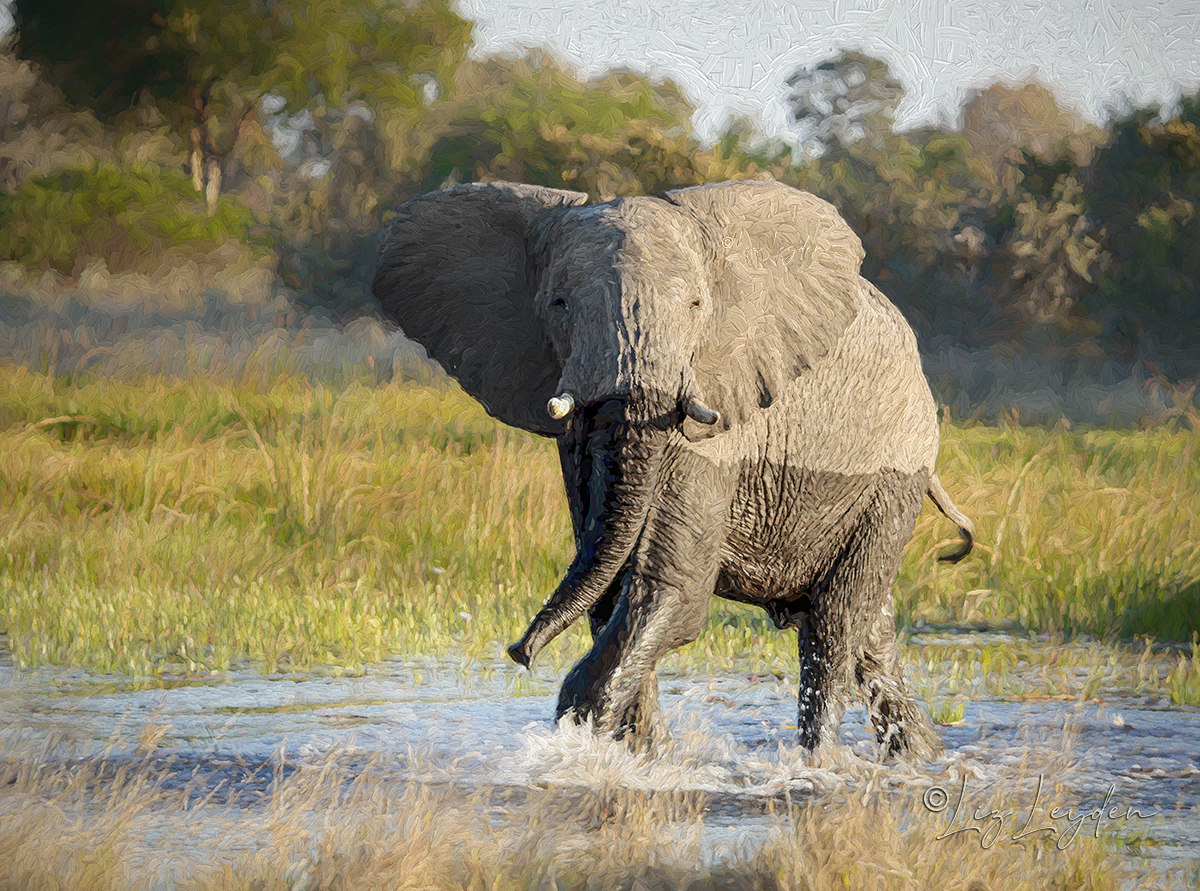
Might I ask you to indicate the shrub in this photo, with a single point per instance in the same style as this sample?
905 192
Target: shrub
127 215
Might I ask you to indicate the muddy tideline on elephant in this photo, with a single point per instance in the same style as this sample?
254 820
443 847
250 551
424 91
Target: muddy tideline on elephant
738 412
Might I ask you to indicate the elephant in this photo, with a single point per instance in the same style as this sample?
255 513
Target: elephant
738 412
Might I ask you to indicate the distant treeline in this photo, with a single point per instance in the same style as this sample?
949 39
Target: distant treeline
154 155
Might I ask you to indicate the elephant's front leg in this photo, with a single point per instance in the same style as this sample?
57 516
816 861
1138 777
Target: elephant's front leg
615 683
663 605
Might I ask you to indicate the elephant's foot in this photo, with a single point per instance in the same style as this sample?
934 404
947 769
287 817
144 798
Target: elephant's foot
915 740
641 724
901 726
636 720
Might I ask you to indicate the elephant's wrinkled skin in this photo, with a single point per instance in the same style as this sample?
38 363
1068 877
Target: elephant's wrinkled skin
737 410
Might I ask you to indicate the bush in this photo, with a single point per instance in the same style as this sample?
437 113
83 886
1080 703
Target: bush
127 215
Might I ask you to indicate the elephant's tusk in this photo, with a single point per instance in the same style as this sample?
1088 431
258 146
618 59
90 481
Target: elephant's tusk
560 406
701 413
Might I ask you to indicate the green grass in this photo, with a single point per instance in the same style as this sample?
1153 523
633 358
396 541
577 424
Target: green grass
168 526
1183 681
949 713
946 672
1092 531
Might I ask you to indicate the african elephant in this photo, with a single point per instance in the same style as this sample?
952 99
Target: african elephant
738 412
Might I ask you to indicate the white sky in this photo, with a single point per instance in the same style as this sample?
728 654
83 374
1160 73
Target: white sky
732 56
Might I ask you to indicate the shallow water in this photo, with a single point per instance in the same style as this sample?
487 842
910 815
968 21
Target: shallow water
230 741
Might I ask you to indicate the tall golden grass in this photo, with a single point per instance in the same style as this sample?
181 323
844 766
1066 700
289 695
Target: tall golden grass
183 525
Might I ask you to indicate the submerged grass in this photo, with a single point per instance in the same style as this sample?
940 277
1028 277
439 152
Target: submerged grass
172 525
1050 667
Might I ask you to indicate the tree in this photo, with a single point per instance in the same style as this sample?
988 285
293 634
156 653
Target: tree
1003 124
1145 185
208 63
35 135
1056 257
533 121
848 98
1107 244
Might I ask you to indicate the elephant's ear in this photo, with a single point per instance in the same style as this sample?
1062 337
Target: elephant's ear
785 285
456 272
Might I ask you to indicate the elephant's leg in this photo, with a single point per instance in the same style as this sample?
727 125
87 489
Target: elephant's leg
901 725
615 683
663 605
660 619
852 615
823 686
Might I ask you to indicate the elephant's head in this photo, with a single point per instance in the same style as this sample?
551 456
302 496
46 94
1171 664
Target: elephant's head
618 325
624 294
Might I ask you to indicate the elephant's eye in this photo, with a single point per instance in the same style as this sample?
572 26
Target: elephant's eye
695 305
559 302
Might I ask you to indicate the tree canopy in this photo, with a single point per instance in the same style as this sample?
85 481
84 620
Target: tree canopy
206 65
294 125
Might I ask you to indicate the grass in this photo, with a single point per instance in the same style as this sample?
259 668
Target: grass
949 713
167 527
1041 666
335 824
190 524
1093 531
185 525
1183 681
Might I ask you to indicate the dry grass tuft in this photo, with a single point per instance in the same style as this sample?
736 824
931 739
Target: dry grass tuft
337 825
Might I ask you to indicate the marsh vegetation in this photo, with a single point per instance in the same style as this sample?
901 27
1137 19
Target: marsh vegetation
170 525
206 533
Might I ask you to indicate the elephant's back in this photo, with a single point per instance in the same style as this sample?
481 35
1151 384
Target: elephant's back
865 407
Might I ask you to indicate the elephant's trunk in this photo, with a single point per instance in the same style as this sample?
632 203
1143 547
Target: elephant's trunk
626 451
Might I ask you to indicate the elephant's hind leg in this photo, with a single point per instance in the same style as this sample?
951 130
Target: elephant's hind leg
851 634
901 725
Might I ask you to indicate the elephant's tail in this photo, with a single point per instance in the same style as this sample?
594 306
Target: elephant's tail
965 527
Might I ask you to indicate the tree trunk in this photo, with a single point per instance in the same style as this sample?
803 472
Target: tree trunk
212 189
196 161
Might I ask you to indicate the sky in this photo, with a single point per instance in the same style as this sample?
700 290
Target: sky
733 56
